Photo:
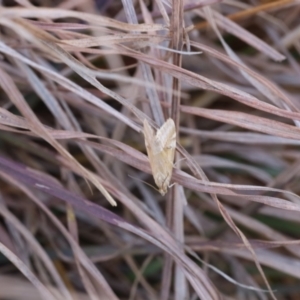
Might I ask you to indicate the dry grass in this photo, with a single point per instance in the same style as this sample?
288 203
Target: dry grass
79 219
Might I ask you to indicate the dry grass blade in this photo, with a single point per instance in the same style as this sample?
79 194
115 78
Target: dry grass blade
69 85
34 180
36 127
247 121
243 34
52 13
25 290
44 292
29 238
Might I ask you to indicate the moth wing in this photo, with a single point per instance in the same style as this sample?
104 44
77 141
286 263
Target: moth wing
166 141
166 135
149 138
154 156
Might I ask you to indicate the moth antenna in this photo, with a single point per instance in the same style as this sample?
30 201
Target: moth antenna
144 182
181 159
172 185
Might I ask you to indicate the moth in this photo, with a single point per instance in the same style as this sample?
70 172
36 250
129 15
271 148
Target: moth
161 151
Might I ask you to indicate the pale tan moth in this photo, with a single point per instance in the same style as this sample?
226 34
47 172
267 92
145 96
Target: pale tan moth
161 151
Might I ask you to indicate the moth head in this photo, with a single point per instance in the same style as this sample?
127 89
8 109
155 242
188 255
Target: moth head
162 182
163 190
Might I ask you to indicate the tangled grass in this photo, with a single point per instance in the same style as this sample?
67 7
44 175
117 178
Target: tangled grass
79 219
